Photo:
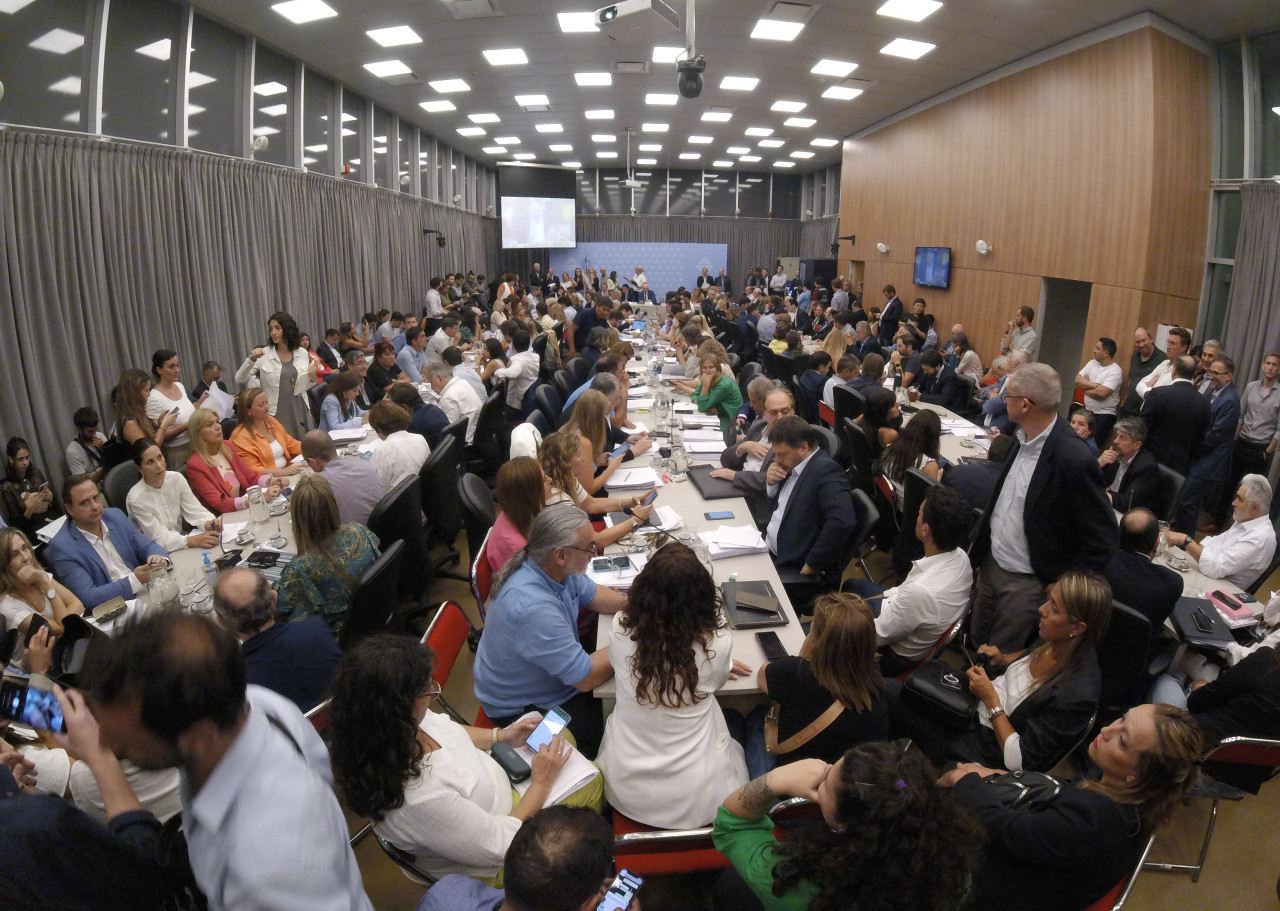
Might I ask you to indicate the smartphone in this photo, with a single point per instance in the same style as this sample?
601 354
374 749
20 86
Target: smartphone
286 492
33 627
717 515
1246 598
173 410
648 500
1229 600
552 723
35 708
620 451
611 564
1202 621
772 646
622 891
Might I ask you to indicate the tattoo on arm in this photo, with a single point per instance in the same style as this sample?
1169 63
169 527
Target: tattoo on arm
756 796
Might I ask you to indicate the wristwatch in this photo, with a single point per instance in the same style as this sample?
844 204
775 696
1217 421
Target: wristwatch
994 713
51 593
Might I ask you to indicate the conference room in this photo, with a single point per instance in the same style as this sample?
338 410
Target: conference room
175 175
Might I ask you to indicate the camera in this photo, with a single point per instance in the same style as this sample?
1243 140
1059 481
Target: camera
689 76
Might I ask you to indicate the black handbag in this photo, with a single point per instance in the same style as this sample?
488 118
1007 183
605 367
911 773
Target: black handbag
942 692
1024 790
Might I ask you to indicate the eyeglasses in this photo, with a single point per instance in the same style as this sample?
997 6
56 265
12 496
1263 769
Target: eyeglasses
1218 373
433 692
593 549
1006 395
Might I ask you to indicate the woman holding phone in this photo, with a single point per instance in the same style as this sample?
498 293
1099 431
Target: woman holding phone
566 456
169 396
590 419
27 497
26 589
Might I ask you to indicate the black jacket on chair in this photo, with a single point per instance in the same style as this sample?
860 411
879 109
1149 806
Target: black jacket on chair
819 519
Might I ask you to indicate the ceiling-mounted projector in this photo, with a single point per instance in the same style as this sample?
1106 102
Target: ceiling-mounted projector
632 184
654 16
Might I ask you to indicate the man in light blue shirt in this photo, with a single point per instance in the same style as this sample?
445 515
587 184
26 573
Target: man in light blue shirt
412 357
400 340
529 657
263 827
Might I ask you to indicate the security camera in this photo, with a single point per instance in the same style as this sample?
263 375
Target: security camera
689 76
440 241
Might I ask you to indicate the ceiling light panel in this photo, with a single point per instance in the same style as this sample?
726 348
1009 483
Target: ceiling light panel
61 41
722 164
799 122
802 154
718 115
739 83
654 127
483 118
759 131
449 86
599 114
524 156
591 79
605 153
660 98
577 22
837 68
911 10
532 101
560 147
509 56
571 164
270 88
788 107
646 161
668 54
784 164
495 150
772 143
549 128
905 47
776 30
395 36
301 11
603 137
748 158
841 93
507 140
824 143
737 150
690 156
470 131
650 147
701 140
385 68
436 107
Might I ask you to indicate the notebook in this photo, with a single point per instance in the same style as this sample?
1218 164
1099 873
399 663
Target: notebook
1188 610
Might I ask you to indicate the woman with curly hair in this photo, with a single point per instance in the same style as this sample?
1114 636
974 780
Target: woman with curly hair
590 418
565 457
284 369
892 839
670 652
427 782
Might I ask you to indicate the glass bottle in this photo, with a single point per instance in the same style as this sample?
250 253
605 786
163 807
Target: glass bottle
258 511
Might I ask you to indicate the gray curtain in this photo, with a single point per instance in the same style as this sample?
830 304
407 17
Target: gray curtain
1252 324
816 236
111 251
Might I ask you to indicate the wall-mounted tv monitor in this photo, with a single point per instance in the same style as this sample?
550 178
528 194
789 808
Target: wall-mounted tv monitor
538 206
933 267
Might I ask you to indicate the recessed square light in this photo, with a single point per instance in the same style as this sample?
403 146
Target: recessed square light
571 164
841 93
776 30
385 68
788 107
660 98
701 140
524 156
605 153
271 110
577 22
772 143
509 56
196 79
911 10
759 131
718 115
533 101
784 164
300 11
448 86
599 114
646 161
654 127
436 107
668 54
748 158
603 137
393 37
905 47
61 41
802 153
470 131
690 156
495 150
739 83
270 88
799 122
722 164
837 68
650 147
824 143
593 78
507 140
737 150
483 118
549 128
560 147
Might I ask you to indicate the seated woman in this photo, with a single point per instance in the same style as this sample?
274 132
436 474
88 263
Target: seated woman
967 361
131 396
917 446
590 417
778 344
1032 714
26 589
28 499
427 782
835 344
793 342
322 369
597 340
349 339
1065 852
331 557
384 372
219 477
715 392
162 504
891 837
492 359
261 440
565 456
339 410
880 418
670 652
522 489
402 453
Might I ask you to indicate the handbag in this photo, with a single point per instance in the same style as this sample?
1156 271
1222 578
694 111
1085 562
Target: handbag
1024 790
801 737
942 693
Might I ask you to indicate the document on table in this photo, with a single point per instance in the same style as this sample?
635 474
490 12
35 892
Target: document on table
673 368
704 435
633 479
663 518
637 391
699 420
639 404
734 541
704 447
347 435
620 579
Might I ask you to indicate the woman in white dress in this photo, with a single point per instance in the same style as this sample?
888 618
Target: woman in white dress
285 372
667 756
167 395
162 501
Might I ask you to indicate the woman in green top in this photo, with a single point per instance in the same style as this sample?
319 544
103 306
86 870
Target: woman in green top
892 839
715 392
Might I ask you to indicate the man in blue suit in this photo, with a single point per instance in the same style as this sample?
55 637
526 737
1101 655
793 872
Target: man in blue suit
1212 462
99 554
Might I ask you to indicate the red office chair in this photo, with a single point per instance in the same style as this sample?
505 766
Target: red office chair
481 576
447 634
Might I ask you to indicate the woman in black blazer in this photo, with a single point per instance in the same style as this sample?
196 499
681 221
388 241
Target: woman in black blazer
1064 851
1031 715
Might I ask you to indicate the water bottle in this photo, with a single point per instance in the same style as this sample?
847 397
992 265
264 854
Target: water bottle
210 571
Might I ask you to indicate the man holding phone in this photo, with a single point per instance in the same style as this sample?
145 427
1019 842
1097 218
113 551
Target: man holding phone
530 658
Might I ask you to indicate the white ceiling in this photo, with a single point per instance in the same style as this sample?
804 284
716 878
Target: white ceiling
973 37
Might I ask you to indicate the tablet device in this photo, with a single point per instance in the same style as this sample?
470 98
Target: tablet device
742 616
711 488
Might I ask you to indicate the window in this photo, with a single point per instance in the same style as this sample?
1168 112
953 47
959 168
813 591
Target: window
317 106
217 59
140 70
615 199
684 192
1226 223
1267 53
720 191
786 195
273 105
1231 115
753 195
45 42
652 199
406 135
588 202
353 129
382 160
427 166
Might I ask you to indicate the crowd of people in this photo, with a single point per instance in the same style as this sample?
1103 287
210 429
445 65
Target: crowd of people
202 714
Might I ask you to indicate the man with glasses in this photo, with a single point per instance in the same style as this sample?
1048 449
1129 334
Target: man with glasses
1049 514
530 658
747 463
356 362
1212 463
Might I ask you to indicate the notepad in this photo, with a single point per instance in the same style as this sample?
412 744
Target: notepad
633 479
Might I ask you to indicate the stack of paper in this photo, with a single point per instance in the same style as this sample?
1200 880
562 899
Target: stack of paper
348 435
619 579
636 391
699 420
220 403
633 479
642 404
704 447
686 408
46 533
374 443
704 434
734 541
576 772
673 368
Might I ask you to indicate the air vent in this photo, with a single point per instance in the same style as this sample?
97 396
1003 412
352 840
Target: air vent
404 79
631 67
472 9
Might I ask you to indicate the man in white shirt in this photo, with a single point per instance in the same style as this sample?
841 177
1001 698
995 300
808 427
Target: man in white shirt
434 307
520 374
412 358
262 824
1100 380
453 359
912 617
1244 550
1176 345
447 335
846 372
457 398
391 328
402 454
778 282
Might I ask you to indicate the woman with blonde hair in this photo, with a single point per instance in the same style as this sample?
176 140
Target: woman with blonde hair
132 424
590 418
263 443
714 392
331 557
219 477
835 344
565 456
27 589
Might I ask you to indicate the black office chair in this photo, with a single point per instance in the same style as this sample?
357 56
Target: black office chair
440 504
1123 659
550 404
1271 567
750 370
803 409
229 426
579 369
491 442
479 510
862 456
971 389
1173 483
868 518
829 442
373 600
398 517
564 387
457 431
735 363
118 482
539 420
847 403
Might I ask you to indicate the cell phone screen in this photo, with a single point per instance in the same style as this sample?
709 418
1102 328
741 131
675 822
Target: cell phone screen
620 451
621 892
552 723
35 708
717 515
653 495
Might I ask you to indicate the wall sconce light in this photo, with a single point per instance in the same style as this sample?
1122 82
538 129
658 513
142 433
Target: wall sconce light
883 248
982 247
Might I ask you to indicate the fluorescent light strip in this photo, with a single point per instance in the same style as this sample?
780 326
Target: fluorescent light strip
385 68
841 93
577 22
799 122
739 83
599 114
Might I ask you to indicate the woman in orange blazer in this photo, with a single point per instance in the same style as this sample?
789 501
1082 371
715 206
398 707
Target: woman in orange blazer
261 440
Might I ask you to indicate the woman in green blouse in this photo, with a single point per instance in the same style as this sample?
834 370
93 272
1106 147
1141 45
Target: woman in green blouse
715 392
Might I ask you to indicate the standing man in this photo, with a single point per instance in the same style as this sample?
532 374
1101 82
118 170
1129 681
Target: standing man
536 278
1049 515
1021 334
1259 430
263 827
890 316
1175 346
433 310
1208 351
1100 380
778 282
840 300
722 282
704 281
1146 357
1213 461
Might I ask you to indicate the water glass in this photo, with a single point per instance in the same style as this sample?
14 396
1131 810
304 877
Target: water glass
678 469
703 553
1163 547
659 464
